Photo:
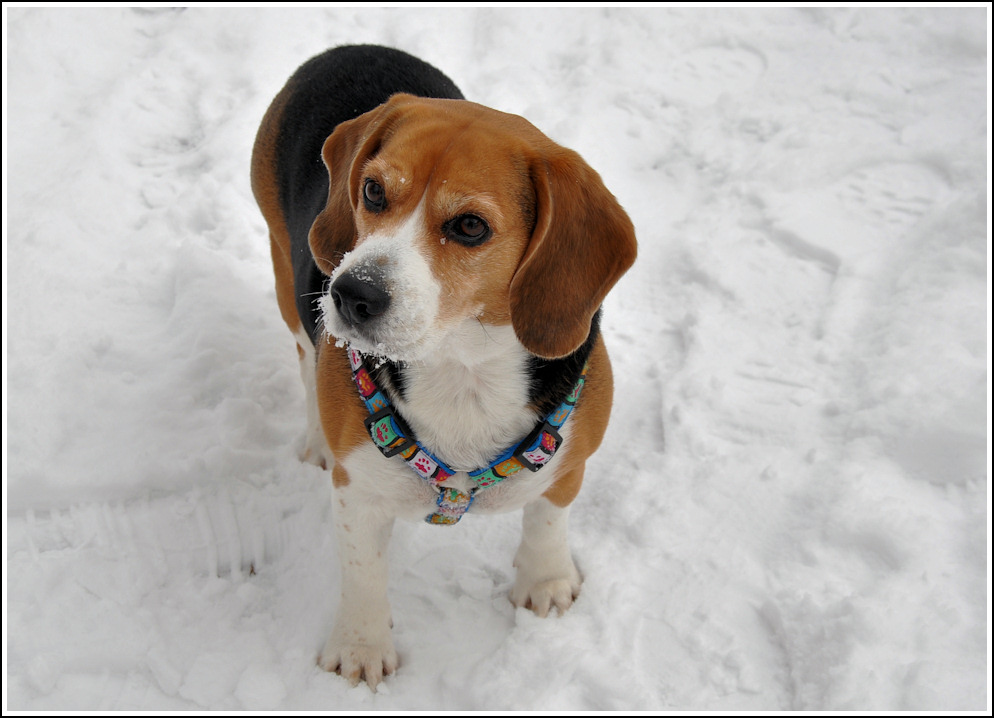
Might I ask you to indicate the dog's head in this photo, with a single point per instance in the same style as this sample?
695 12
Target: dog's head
442 211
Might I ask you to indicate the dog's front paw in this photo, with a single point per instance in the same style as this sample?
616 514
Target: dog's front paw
547 576
356 659
541 596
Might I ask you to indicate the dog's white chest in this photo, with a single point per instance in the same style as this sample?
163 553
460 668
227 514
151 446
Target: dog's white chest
471 402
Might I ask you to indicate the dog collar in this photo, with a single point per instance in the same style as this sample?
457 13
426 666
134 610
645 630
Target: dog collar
393 437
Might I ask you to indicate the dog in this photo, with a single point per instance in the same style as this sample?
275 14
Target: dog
442 266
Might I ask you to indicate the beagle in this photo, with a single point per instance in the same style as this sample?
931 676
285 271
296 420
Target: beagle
442 267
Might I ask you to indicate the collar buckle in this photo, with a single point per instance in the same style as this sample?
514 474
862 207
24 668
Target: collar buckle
389 432
538 447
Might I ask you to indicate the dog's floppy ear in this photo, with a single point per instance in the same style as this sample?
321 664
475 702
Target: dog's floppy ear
345 152
581 245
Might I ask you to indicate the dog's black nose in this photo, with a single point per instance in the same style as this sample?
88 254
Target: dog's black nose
357 300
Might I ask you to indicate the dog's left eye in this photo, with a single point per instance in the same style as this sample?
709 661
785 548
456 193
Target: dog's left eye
467 229
373 196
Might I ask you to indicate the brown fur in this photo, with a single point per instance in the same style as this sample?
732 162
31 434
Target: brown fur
564 239
587 426
264 187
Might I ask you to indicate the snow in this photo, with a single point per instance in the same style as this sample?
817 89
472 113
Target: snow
790 509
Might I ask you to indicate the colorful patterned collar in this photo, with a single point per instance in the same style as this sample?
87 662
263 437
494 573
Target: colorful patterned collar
393 438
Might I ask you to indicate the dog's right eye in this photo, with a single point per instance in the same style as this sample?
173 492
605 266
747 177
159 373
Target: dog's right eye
373 196
467 229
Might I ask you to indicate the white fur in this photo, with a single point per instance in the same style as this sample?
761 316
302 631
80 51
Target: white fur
409 328
469 401
360 644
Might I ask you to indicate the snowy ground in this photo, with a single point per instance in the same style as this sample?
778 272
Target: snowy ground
790 510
